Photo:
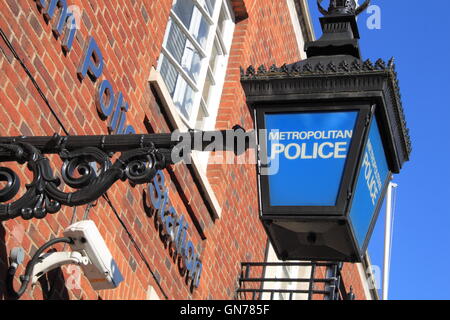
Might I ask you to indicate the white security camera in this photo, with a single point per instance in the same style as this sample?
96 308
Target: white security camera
102 271
89 250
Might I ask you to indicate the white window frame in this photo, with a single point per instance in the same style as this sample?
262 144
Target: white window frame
211 106
157 82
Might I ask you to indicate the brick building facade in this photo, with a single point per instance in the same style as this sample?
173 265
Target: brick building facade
44 90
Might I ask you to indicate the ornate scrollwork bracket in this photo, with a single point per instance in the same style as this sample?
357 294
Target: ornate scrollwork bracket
88 170
91 165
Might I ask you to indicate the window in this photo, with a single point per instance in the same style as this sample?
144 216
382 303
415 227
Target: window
194 58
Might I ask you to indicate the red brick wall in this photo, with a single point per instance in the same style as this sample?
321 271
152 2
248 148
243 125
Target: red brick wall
352 279
130 38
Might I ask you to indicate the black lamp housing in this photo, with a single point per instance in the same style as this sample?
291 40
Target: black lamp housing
332 79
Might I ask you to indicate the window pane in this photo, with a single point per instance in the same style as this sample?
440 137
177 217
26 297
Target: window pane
222 20
184 10
206 89
176 42
183 98
193 20
183 51
201 31
169 74
182 58
209 6
214 57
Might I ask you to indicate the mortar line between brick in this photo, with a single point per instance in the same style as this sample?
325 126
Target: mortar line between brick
33 80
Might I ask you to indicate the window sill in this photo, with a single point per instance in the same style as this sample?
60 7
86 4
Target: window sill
157 82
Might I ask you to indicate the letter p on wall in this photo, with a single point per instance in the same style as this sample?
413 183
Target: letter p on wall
92 62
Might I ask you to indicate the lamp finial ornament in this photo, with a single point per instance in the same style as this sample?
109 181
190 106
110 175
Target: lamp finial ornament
343 7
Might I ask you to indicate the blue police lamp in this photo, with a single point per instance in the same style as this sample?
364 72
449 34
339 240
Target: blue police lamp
331 132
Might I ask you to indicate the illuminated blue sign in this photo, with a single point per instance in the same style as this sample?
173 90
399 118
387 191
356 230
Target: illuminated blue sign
372 179
307 154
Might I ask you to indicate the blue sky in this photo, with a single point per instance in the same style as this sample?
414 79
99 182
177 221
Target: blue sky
417 36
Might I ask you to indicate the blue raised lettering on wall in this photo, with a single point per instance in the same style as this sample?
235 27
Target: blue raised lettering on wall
123 118
66 19
190 256
50 11
162 209
197 273
181 243
119 117
129 130
71 29
105 91
176 240
106 107
92 62
176 227
155 190
42 4
170 219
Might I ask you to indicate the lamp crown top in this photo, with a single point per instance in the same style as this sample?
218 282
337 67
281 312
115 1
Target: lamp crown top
342 7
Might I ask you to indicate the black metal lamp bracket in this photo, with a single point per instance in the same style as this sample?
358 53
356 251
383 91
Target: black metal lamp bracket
88 167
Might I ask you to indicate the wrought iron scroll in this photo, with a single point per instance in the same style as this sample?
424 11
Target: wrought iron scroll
91 167
88 170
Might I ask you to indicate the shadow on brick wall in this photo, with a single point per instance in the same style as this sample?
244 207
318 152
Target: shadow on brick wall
52 283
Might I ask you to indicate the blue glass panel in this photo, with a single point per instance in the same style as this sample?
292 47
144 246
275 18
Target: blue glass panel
307 153
372 178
